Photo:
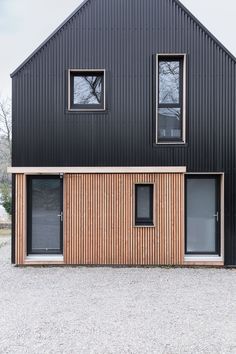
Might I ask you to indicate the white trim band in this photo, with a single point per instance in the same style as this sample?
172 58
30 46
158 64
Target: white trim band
203 258
44 257
95 170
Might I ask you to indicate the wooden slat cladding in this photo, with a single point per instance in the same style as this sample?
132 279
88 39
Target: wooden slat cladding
99 220
20 204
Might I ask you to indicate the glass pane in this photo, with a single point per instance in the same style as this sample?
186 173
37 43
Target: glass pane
87 89
143 196
169 77
201 208
169 123
45 210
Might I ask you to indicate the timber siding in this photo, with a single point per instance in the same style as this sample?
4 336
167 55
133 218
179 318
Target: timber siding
20 218
99 220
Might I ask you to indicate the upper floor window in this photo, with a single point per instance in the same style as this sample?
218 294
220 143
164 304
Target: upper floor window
86 90
170 99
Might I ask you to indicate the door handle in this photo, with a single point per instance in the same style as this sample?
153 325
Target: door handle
216 216
60 216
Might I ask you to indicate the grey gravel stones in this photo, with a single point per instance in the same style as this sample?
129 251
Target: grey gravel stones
116 310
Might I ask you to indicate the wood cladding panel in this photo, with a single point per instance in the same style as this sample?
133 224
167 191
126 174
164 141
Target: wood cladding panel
99 220
20 204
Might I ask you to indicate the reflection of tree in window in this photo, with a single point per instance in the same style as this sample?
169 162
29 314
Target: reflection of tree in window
169 73
169 122
45 194
87 89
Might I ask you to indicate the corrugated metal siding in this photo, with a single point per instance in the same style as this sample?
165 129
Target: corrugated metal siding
122 36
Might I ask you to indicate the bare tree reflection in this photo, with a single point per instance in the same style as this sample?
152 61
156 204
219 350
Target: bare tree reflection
169 72
87 89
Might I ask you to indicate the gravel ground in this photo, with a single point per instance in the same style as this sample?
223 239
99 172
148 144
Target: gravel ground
116 310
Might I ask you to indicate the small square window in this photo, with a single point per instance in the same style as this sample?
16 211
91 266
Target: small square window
86 90
144 205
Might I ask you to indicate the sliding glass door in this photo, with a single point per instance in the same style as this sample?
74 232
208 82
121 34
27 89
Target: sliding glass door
44 213
202 215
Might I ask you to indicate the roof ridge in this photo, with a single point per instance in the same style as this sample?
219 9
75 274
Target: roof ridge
178 3
200 24
48 38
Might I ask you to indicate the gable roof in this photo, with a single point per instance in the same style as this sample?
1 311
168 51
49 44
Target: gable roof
189 13
85 1
48 38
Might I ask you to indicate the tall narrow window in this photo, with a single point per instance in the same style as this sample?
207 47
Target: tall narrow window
170 99
144 204
86 90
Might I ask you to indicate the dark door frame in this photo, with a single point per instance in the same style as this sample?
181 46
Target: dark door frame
29 213
216 177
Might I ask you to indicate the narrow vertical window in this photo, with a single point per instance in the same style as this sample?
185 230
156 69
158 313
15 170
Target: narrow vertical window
170 122
144 204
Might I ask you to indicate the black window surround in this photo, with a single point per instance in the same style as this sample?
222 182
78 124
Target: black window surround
86 90
172 107
148 192
30 250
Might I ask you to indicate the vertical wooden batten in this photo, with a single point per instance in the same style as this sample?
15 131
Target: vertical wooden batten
20 218
99 223
99 220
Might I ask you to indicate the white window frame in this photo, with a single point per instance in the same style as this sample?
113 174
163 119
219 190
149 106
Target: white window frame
71 109
181 56
210 258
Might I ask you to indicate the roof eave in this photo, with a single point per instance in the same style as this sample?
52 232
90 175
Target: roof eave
184 8
85 1
47 39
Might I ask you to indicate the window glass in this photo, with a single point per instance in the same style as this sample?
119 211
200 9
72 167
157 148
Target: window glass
87 89
45 200
144 204
169 77
202 215
169 123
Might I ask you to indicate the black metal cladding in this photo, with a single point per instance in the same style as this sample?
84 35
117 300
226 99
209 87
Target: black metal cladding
122 37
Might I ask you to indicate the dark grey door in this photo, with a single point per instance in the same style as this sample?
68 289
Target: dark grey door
44 215
202 215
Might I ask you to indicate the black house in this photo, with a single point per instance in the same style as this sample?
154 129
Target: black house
124 141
